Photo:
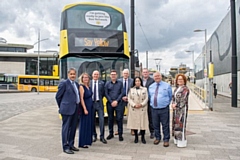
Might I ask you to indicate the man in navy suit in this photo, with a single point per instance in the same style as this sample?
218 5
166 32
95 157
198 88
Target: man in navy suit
98 93
127 84
68 100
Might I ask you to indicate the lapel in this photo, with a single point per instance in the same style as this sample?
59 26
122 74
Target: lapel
70 83
129 83
99 87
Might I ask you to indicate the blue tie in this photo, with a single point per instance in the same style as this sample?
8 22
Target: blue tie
125 87
95 92
76 92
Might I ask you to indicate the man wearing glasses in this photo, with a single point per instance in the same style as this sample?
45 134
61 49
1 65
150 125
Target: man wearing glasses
114 94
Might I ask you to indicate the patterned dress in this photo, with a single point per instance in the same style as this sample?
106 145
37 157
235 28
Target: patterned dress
180 97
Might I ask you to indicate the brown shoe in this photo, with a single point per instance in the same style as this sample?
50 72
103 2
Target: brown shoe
116 133
156 142
165 144
132 132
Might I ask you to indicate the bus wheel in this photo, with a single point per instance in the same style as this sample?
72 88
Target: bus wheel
33 90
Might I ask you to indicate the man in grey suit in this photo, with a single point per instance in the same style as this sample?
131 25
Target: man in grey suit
147 81
68 100
98 93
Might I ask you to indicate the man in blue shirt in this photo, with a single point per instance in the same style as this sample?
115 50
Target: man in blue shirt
114 94
160 95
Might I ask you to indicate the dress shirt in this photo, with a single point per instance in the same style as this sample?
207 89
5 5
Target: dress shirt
76 92
113 91
97 95
164 96
144 82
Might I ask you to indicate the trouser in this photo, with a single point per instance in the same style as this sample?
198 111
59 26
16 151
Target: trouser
69 126
97 107
119 117
161 116
150 123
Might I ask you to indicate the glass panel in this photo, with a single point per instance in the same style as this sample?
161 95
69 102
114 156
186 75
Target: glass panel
88 65
47 82
94 17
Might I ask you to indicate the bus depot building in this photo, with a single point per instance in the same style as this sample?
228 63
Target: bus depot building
14 59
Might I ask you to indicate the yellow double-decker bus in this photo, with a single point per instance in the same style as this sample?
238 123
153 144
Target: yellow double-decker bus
30 83
93 36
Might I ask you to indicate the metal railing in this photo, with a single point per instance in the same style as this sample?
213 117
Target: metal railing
198 91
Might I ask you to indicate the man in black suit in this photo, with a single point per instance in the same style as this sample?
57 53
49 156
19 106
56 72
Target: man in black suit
147 81
98 93
127 84
68 100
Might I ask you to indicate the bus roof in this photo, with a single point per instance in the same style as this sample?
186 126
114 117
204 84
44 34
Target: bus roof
36 76
93 4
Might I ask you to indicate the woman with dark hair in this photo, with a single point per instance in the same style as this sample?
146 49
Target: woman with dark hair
137 109
180 110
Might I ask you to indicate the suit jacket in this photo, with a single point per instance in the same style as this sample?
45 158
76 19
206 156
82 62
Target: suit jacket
130 82
66 97
100 90
149 82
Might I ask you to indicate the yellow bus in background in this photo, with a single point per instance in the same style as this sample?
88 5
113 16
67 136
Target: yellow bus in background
29 83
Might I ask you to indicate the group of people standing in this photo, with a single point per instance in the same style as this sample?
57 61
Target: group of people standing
147 99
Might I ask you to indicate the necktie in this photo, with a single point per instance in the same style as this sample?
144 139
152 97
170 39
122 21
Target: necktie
155 95
125 87
94 92
76 92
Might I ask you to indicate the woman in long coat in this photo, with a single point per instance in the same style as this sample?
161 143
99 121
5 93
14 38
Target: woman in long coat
180 110
137 109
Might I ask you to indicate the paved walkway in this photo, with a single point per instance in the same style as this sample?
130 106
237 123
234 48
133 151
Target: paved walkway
212 135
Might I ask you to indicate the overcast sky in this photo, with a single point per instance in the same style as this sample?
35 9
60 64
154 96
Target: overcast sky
164 28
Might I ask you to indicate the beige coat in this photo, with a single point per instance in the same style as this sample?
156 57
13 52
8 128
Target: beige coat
137 117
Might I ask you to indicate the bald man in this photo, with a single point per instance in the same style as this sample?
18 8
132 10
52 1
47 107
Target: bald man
98 94
160 95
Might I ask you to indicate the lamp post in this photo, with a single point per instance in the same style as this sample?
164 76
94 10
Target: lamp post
38 62
158 61
205 62
193 67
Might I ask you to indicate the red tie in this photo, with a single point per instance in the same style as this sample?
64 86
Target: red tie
155 95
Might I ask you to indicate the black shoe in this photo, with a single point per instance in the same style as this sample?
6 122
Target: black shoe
94 139
103 140
84 147
151 135
120 138
143 140
68 151
110 136
136 140
74 148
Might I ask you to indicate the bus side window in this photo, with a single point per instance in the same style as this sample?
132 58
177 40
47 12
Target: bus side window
26 81
46 82
41 82
33 81
50 82
56 82
21 81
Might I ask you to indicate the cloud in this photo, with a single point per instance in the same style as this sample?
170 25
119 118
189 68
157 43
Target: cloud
164 28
